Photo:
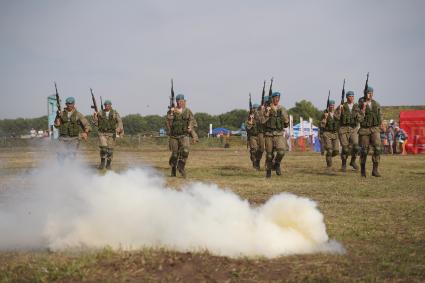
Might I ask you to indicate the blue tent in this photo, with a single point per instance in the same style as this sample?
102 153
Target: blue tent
306 129
217 131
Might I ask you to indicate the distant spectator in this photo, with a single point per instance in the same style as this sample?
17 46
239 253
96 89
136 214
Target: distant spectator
384 140
390 138
400 138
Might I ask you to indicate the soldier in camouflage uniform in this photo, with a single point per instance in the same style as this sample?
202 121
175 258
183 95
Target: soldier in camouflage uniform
330 124
70 123
348 131
110 126
180 124
369 132
255 137
274 119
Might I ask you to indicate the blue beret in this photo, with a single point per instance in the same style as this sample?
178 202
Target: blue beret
266 98
107 101
369 89
255 105
331 102
179 97
70 100
349 93
274 94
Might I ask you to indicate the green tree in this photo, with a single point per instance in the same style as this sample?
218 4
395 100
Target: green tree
204 120
305 109
134 124
21 126
154 123
233 119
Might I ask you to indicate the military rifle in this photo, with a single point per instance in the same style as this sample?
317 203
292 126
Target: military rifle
94 106
343 93
172 96
101 103
58 102
270 90
366 86
327 102
263 93
250 105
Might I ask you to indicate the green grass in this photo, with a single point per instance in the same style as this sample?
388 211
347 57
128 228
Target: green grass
380 222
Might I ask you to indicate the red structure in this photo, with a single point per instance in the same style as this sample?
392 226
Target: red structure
413 123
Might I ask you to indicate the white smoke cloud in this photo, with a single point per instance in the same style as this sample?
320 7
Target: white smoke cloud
71 207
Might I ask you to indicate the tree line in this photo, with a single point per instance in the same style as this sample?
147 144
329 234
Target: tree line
138 124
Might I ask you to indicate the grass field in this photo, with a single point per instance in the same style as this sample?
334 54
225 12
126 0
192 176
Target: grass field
380 222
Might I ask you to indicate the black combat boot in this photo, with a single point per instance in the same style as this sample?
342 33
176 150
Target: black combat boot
353 163
257 165
180 167
258 157
268 173
102 164
108 163
277 168
375 172
363 169
173 171
344 164
328 161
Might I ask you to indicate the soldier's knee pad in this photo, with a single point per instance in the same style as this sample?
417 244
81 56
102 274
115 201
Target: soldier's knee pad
345 150
185 152
280 153
364 150
109 152
269 156
355 149
174 155
335 152
377 149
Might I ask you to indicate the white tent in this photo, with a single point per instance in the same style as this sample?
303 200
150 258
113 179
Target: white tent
307 129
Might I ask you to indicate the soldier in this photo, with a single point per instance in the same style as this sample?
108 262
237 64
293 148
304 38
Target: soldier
110 126
255 137
274 119
348 131
181 124
330 123
369 132
70 123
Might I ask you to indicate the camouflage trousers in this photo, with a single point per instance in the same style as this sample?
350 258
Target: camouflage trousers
256 147
370 139
322 143
331 143
275 146
349 139
179 147
106 145
67 148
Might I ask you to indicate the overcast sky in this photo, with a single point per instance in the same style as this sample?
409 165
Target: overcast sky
216 51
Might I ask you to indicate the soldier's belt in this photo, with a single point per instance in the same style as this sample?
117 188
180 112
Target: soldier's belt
178 137
274 133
